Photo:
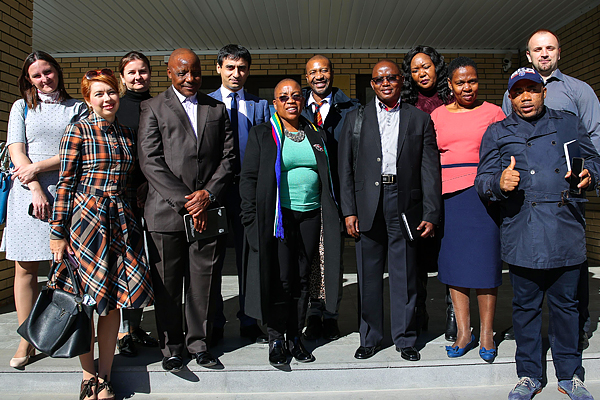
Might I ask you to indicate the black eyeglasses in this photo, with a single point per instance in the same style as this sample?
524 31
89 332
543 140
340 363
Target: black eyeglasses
96 72
390 78
285 98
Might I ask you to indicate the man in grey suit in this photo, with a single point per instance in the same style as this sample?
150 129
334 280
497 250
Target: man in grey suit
185 147
245 111
394 170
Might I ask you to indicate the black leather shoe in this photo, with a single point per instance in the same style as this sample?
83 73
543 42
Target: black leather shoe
451 329
409 353
363 352
331 331
314 328
140 336
205 359
126 346
216 336
172 364
277 355
254 333
299 352
509 334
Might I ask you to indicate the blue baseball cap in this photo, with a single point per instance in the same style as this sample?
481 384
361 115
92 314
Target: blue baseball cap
524 73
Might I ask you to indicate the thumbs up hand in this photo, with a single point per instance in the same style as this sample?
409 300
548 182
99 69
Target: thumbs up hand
510 178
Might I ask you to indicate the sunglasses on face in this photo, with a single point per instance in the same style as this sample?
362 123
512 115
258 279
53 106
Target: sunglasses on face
390 78
285 98
96 72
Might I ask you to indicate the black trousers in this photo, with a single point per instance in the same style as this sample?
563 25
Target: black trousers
177 264
385 240
290 277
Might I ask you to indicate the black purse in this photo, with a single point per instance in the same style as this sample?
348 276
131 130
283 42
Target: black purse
60 325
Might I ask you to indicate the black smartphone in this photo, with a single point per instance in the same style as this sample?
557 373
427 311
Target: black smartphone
576 168
30 212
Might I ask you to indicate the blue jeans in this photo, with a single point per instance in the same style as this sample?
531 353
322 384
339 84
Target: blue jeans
529 288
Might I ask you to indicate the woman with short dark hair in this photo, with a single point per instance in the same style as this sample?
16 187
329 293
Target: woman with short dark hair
36 123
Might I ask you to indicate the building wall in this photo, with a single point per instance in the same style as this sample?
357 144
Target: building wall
347 66
15 45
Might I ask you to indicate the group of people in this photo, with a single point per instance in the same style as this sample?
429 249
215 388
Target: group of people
425 176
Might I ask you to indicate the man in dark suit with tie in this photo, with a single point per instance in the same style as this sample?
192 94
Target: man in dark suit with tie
395 171
185 147
245 111
327 107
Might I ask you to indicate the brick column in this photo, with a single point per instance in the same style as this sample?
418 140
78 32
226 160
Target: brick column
15 44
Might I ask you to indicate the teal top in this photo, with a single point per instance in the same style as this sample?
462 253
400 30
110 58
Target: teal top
300 187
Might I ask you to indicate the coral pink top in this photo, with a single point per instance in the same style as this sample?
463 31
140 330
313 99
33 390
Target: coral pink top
458 139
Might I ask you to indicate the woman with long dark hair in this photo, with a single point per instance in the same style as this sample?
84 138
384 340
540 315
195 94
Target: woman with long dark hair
36 123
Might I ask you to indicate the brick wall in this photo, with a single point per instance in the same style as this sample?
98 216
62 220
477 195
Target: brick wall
15 45
347 67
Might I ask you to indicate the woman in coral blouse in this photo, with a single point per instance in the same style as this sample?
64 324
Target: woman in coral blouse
470 249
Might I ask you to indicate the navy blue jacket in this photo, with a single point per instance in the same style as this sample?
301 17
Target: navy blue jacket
539 230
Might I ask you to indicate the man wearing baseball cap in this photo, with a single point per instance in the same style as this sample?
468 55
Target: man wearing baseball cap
523 166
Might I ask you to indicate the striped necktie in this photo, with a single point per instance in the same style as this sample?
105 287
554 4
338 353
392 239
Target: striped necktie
318 117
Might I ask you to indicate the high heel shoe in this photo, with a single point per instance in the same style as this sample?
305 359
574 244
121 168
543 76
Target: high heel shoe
455 351
20 362
488 355
106 385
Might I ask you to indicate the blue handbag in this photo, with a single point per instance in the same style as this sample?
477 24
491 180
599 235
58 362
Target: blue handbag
5 181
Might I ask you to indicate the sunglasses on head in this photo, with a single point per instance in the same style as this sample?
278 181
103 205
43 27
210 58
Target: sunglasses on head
390 78
96 72
285 98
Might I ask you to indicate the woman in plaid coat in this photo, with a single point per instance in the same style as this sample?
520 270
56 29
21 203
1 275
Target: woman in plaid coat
93 220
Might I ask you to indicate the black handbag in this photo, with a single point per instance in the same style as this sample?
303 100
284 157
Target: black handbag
60 325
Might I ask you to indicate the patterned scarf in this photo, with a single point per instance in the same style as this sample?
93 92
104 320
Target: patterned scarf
277 132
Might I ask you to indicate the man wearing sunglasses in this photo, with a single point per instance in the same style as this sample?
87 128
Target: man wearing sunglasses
327 107
185 146
390 192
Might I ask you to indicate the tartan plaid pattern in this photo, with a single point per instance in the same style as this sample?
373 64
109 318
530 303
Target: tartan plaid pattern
92 210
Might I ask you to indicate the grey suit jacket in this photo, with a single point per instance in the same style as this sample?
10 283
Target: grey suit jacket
175 162
417 166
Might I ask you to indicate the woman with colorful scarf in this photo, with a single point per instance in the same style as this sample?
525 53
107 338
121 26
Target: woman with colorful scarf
285 187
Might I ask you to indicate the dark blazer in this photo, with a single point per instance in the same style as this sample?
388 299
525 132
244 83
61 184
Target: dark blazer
417 166
258 190
257 108
175 162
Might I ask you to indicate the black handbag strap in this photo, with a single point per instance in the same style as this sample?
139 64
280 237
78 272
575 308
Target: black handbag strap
67 261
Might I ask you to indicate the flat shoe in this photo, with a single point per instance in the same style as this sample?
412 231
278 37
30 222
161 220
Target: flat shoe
455 351
488 355
409 353
364 352
88 388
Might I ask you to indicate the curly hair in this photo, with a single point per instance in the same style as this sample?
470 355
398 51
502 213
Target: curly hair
410 89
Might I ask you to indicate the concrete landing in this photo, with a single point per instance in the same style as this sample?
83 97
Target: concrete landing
244 371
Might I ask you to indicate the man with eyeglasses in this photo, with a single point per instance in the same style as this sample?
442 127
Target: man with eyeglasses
327 107
390 192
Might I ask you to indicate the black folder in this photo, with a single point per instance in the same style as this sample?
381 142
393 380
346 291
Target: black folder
216 224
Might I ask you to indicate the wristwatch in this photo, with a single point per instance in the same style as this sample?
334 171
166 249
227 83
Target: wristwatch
211 197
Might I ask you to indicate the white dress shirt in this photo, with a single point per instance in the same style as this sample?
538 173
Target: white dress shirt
243 120
190 105
389 128
324 107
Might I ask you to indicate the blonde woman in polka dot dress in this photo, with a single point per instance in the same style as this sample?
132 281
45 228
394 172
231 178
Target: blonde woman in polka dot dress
36 124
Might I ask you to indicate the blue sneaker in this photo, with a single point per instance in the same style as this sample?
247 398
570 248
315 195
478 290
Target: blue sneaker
525 389
574 388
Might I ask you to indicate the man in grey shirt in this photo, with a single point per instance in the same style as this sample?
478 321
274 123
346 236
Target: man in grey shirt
565 93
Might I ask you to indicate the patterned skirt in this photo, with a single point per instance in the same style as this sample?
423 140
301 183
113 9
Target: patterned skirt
109 247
